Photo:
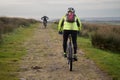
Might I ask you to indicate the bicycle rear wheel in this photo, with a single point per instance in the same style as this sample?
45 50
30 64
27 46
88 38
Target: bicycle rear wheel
70 58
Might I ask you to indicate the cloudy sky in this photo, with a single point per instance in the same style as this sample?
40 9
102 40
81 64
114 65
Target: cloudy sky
57 8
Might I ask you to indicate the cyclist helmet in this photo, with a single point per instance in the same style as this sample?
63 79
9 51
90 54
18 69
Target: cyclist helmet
70 9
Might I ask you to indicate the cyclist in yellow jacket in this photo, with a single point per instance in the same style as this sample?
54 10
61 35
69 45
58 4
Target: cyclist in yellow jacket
70 24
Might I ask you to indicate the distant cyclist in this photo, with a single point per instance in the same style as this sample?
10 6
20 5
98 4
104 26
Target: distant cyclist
70 24
44 18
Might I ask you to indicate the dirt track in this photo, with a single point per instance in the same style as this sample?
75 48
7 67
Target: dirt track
44 60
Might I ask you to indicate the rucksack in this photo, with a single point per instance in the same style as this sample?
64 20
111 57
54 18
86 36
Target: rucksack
70 17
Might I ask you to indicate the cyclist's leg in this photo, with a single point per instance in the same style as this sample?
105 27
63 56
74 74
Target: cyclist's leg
43 23
65 38
74 40
46 23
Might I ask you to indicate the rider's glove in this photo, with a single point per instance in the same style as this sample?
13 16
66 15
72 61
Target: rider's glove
60 32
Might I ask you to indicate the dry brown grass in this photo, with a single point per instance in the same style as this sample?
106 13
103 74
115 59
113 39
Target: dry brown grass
9 24
103 36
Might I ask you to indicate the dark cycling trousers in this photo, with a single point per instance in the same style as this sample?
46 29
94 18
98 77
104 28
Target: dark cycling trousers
74 39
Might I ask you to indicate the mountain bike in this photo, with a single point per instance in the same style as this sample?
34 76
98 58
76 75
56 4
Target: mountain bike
45 24
70 53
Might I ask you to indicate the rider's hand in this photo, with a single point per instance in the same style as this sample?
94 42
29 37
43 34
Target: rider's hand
60 32
79 33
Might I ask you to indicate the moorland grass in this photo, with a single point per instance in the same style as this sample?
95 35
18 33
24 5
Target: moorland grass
107 61
11 51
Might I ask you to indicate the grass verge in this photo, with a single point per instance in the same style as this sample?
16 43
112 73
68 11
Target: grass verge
107 61
11 51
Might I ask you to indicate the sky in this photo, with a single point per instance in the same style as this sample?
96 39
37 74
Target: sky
57 8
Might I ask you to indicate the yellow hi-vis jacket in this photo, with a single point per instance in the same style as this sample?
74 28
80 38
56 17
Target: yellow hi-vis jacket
64 25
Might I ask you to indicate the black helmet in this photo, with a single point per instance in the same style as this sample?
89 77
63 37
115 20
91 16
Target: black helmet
70 9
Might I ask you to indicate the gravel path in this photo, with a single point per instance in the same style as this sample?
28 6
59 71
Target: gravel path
44 60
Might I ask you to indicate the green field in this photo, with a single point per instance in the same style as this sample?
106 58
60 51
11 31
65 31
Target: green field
107 61
11 51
